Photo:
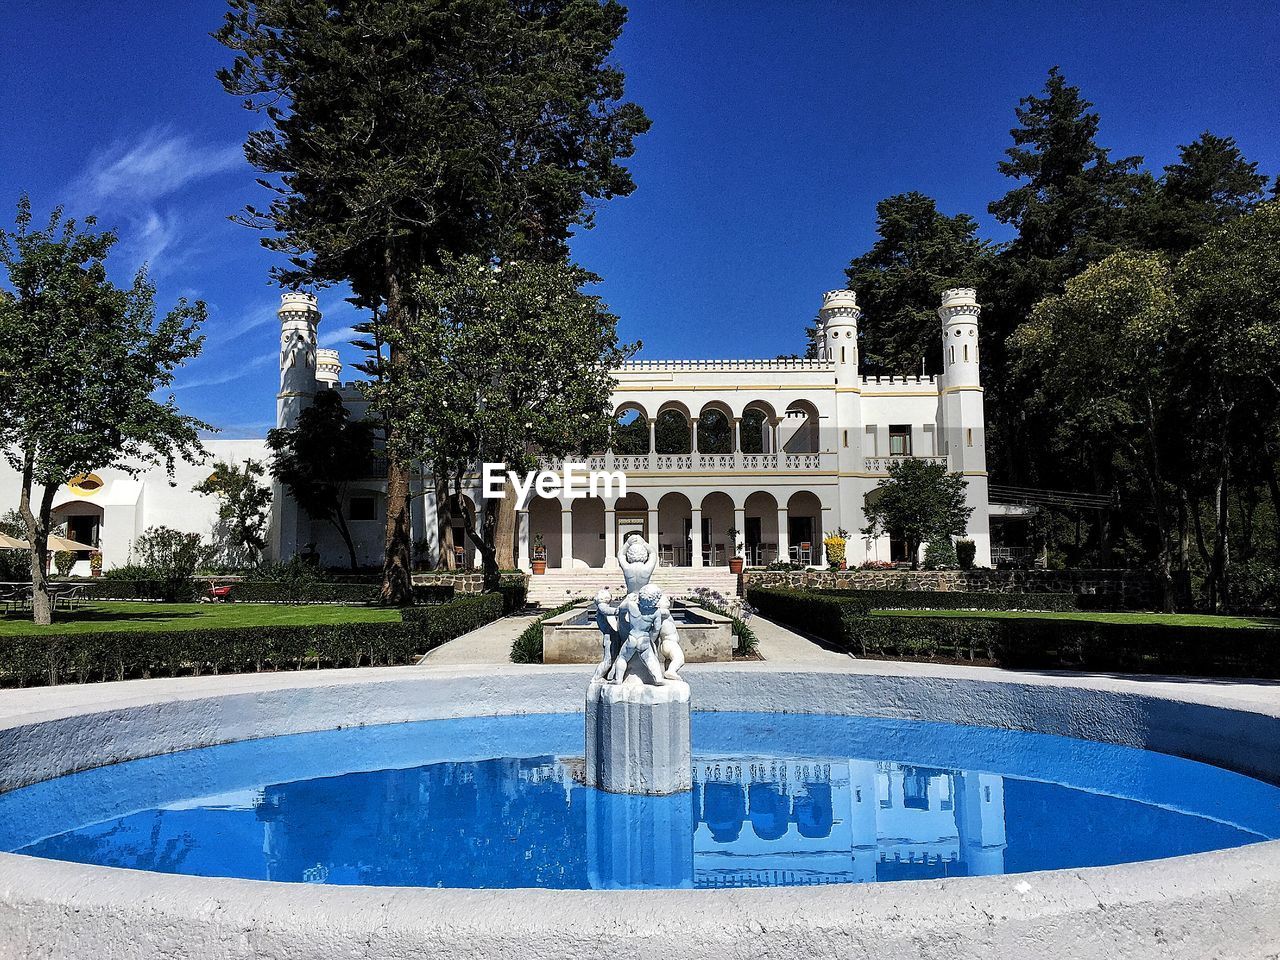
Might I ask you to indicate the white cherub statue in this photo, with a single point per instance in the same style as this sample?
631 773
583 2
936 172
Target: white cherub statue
611 627
637 561
645 616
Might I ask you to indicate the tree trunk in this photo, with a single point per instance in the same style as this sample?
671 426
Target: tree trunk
444 525
504 537
38 537
397 575
345 532
481 535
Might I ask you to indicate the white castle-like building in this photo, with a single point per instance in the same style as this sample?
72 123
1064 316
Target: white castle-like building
784 451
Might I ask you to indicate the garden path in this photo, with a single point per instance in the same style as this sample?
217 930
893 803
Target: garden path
492 644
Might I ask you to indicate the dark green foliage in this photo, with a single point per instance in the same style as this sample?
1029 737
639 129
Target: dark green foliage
827 616
1025 642
917 254
51 658
241 534
140 585
527 647
966 550
975 600
172 557
920 502
85 370
514 590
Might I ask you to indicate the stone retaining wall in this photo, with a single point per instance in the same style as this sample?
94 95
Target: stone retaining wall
1135 589
461 582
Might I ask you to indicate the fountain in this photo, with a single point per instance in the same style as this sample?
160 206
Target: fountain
637 714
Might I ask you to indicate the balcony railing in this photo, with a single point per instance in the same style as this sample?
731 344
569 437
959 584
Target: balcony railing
712 462
881 464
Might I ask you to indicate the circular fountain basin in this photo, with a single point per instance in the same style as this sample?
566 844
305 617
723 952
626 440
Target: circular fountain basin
1135 818
777 800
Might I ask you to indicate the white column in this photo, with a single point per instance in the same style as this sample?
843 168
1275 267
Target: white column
739 521
784 544
566 538
522 540
773 435
653 436
695 538
693 435
737 435
828 527
610 537
653 528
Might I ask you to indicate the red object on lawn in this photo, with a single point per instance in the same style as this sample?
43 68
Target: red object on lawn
218 594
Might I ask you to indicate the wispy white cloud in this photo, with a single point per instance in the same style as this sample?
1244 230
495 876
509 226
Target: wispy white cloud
335 337
136 186
157 164
242 369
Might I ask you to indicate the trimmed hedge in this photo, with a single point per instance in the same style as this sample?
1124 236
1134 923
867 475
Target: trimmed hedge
975 600
1028 642
259 591
52 658
527 647
825 615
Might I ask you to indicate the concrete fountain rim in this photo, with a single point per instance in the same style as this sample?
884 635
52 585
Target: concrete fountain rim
51 731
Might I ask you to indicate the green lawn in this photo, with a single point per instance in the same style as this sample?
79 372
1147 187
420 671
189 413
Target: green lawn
1170 619
112 615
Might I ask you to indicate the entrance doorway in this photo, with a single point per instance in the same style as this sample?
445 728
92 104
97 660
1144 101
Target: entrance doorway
629 522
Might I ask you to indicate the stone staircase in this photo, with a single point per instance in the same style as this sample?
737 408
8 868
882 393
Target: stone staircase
556 586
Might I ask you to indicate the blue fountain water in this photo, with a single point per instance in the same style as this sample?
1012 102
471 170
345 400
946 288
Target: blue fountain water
778 800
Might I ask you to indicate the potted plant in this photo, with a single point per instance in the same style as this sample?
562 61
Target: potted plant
539 555
95 563
736 563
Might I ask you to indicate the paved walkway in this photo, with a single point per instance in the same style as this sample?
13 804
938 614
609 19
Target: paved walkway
492 644
489 644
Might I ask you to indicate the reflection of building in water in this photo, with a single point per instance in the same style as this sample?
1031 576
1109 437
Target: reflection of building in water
763 822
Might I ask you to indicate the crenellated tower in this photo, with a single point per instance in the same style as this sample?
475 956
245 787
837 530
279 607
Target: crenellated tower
838 320
328 369
299 317
962 416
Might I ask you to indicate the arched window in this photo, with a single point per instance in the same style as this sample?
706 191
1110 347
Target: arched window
751 431
672 432
630 433
715 435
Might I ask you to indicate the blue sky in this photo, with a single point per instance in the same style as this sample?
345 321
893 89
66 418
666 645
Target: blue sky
776 128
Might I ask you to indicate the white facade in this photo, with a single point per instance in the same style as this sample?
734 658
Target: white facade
783 451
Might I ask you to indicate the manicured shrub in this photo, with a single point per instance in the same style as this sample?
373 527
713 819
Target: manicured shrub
50 658
515 592
122 588
527 647
966 550
824 615
1029 642
940 555
975 600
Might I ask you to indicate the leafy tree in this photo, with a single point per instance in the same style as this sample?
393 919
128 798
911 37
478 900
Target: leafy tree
920 502
918 253
242 508
510 363
1210 185
940 555
1097 357
1226 360
172 557
80 361
318 459
403 131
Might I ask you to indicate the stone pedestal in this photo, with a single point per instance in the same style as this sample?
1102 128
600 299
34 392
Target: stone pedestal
638 737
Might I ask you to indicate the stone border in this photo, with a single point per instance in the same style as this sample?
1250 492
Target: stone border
1213 904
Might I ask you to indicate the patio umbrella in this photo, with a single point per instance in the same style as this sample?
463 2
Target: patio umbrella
10 543
62 543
